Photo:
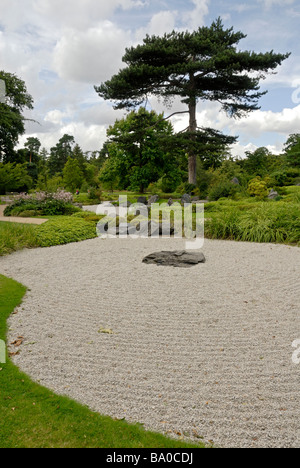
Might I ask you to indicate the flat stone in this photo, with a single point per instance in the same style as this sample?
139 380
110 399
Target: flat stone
176 258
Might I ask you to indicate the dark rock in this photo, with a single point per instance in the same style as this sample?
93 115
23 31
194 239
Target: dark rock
142 200
186 198
235 181
160 229
170 202
177 258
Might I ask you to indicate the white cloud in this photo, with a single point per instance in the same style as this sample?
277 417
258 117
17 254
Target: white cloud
269 3
259 122
91 56
83 14
160 23
62 48
194 19
55 116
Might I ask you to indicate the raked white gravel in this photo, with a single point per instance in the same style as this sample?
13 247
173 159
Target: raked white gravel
204 352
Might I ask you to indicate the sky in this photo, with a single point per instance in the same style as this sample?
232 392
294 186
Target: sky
62 48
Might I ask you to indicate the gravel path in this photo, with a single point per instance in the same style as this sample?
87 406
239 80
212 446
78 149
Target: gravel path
11 219
203 352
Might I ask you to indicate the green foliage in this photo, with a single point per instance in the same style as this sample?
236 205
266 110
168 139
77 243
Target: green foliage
292 148
292 194
72 175
221 190
59 154
256 163
11 119
42 204
204 58
206 64
53 184
264 222
64 230
258 188
186 187
136 154
94 194
15 237
14 177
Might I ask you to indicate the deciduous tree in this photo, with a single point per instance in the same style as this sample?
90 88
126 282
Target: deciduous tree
12 121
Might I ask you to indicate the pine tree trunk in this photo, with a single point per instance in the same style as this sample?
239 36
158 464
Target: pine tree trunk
192 154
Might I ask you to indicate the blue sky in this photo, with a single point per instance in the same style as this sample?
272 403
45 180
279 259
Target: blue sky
62 48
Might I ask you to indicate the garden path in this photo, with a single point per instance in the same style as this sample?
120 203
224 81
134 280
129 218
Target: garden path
11 219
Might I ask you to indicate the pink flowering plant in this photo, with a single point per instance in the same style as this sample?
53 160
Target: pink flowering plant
43 204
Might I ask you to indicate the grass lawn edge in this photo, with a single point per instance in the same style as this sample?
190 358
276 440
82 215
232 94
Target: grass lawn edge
35 417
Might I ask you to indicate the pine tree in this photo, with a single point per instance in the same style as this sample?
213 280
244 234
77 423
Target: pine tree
204 65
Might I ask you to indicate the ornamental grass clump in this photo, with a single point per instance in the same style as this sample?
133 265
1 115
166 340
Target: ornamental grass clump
267 222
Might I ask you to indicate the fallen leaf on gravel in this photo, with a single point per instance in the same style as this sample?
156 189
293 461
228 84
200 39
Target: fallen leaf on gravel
18 342
106 331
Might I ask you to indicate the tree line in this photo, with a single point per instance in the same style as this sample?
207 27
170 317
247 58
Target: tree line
142 151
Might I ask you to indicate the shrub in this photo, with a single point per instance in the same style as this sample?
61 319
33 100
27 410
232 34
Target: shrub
222 190
28 214
258 188
186 187
94 194
64 230
44 204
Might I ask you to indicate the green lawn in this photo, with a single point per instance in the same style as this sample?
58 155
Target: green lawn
34 417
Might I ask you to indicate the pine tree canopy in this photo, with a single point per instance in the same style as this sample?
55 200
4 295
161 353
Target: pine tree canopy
202 65
205 65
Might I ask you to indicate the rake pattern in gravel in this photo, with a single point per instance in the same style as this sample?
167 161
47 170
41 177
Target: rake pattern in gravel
203 353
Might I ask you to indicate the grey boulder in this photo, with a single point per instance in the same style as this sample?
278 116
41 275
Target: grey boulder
176 258
273 194
186 198
153 199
